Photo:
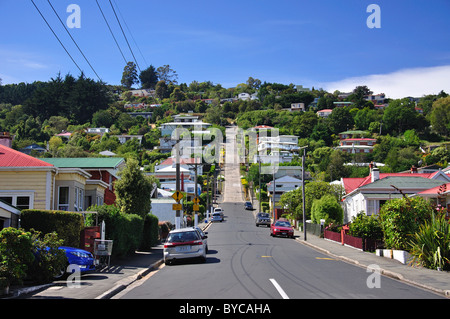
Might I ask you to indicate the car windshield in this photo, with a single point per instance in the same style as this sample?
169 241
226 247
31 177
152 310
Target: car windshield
263 215
182 237
282 224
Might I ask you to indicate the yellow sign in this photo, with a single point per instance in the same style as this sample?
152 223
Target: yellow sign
177 196
196 208
177 207
196 200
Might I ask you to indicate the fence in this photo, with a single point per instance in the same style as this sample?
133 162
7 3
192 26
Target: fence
355 242
314 229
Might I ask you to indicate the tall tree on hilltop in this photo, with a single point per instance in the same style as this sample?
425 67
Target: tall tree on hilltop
149 78
129 75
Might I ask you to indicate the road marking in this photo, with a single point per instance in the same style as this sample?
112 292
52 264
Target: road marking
280 290
266 256
325 258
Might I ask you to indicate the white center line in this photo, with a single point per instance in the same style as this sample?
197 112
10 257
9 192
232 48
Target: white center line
280 290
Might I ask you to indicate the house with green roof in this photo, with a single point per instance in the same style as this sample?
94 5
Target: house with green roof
103 171
369 198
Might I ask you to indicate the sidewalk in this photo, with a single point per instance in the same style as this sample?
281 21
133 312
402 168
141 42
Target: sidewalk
103 284
437 281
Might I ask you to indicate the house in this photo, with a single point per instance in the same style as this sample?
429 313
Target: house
370 193
298 107
103 172
30 183
357 145
324 113
282 185
439 196
168 128
284 147
185 163
125 138
33 149
342 104
97 130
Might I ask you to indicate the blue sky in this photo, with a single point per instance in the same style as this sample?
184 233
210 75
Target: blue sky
321 43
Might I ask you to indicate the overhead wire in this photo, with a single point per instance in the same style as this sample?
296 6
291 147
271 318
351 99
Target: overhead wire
112 33
56 36
73 39
134 40
125 36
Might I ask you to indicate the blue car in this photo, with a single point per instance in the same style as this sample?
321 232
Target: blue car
79 259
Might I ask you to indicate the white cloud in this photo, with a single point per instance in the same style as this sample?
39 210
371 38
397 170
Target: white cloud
415 82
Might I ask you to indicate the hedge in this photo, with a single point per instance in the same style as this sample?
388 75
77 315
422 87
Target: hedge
67 225
150 234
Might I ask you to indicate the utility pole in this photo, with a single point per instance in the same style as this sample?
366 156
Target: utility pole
259 177
177 167
196 198
303 191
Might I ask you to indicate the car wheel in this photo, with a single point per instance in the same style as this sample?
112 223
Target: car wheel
61 273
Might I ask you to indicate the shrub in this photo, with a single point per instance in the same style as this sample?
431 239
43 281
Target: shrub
430 246
326 208
150 234
49 258
67 225
124 229
15 255
364 226
401 218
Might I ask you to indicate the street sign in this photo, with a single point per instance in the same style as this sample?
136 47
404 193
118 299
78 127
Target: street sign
177 207
196 200
196 208
177 196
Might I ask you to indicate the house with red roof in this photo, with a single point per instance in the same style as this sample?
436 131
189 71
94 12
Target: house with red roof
30 183
439 196
369 193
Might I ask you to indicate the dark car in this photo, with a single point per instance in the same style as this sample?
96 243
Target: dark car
262 219
248 206
282 228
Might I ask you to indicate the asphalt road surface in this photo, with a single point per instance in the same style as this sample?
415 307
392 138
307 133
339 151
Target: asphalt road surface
245 262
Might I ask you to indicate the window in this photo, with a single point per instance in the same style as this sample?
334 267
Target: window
63 199
20 201
79 199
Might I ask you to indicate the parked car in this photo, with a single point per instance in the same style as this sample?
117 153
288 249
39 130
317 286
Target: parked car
262 219
248 206
79 257
184 243
282 228
218 210
203 236
217 217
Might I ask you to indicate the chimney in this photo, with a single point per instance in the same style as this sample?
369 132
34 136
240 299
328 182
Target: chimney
5 139
375 175
413 170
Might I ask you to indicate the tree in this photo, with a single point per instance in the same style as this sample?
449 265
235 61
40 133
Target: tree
440 116
166 74
401 115
161 90
133 190
129 75
148 78
327 208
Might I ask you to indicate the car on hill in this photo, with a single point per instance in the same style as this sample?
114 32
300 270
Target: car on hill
262 219
184 243
282 228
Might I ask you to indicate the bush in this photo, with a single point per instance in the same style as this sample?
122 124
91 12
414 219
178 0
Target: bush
49 259
430 246
364 226
67 225
124 229
15 255
401 218
150 236
327 208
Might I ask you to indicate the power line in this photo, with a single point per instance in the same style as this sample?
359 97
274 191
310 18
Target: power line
134 40
56 36
73 39
112 33
126 39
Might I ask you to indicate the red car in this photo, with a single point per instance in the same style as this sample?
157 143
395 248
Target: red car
282 228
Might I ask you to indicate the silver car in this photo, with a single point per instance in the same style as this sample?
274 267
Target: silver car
184 243
217 217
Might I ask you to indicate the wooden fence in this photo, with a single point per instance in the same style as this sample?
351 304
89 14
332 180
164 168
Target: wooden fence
355 242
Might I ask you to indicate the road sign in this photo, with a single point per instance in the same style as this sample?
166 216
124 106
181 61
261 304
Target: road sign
177 207
196 200
177 196
196 208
